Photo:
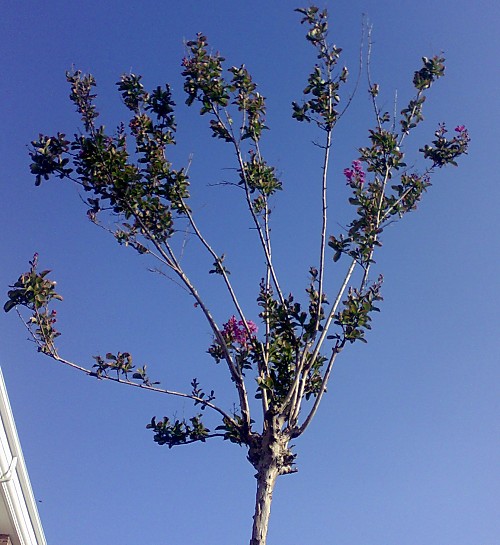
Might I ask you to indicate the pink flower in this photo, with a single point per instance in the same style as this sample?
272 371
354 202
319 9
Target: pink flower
235 330
251 326
460 128
355 175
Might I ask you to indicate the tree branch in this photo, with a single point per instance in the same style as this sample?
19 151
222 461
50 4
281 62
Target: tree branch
335 351
53 354
377 225
303 369
258 227
323 225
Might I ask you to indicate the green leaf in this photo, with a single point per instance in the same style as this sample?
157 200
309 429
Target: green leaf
9 305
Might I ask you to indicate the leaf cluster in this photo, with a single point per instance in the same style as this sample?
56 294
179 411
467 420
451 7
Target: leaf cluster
48 156
138 186
355 318
322 90
201 397
431 70
178 432
445 151
205 83
121 364
35 292
259 177
291 330
233 430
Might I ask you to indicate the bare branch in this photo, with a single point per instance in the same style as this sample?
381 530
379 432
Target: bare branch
223 272
53 354
335 351
323 224
373 88
262 238
235 374
333 310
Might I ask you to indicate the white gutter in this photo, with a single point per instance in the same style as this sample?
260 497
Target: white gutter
15 486
7 476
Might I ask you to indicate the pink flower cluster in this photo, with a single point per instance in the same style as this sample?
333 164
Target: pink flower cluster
355 176
235 331
463 134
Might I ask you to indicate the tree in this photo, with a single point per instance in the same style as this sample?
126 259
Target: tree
135 193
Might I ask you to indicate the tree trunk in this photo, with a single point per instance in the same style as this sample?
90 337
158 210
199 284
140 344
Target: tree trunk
266 479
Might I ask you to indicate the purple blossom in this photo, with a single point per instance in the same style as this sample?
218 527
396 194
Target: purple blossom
355 176
462 138
234 330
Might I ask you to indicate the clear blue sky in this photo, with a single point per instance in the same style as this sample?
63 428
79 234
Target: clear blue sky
405 449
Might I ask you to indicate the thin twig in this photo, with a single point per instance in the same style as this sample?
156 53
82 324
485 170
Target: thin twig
369 77
241 164
360 70
222 270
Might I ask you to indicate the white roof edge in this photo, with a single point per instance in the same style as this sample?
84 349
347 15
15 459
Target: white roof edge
16 486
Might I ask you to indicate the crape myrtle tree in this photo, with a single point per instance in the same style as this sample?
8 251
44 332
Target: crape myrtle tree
133 191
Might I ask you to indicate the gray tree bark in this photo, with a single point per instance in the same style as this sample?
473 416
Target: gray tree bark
266 480
271 457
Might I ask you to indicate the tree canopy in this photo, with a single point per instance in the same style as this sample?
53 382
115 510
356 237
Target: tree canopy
285 355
